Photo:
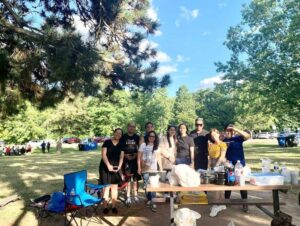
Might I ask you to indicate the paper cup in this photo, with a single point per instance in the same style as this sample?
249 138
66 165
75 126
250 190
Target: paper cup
294 177
242 180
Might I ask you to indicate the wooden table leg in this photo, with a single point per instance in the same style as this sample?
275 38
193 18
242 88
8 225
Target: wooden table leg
276 206
172 208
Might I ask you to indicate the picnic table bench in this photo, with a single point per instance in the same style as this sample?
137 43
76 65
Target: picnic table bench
164 187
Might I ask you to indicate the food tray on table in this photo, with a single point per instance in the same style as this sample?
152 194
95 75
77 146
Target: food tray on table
193 198
266 179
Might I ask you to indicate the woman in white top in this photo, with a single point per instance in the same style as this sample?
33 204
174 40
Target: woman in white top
147 161
167 147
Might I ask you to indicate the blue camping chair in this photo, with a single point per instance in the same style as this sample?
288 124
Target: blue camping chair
75 185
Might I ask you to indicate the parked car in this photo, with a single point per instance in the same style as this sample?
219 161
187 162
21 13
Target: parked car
71 140
274 135
87 144
100 139
263 135
35 143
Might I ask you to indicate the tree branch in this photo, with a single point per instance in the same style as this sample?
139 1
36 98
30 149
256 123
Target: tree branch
11 11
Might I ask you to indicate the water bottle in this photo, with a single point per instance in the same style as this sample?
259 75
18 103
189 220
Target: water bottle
276 167
230 177
72 193
238 171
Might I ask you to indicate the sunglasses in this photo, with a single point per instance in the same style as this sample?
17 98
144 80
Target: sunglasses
152 136
199 124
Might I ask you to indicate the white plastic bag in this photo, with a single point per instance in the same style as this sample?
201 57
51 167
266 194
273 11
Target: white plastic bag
231 223
187 176
172 177
186 217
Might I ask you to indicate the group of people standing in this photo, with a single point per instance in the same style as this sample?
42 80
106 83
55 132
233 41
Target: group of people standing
130 154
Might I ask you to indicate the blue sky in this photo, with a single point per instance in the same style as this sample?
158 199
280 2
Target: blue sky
190 39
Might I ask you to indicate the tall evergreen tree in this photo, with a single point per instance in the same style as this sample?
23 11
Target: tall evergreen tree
47 61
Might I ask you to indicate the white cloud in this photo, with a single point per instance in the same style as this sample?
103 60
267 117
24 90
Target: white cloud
81 28
145 43
162 57
177 23
180 58
211 81
195 13
166 69
158 33
189 14
205 33
152 14
186 70
222 5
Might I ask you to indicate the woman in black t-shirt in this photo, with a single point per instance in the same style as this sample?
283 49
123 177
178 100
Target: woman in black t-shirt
109 169
185 147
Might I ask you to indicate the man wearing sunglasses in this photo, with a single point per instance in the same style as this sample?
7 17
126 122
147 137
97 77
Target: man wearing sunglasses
200 136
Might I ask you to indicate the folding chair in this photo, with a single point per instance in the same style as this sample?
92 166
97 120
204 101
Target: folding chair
76 195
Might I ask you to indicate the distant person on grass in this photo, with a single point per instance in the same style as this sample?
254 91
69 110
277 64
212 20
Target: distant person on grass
48 147
110 168
235 138
43 146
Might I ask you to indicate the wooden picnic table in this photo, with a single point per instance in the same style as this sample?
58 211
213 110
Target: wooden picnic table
165 187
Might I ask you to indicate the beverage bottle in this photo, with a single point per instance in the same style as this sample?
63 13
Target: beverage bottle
238 170
276 167
230 177
72 193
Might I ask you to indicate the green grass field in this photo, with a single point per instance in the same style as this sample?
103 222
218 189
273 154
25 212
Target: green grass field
38 174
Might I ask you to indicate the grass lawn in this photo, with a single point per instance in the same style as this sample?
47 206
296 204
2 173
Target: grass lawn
38 174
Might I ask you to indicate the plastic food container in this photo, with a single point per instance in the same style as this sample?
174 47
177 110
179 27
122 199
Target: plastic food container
266 179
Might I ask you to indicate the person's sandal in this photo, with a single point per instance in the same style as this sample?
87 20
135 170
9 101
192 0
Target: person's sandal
105 211
245 208
115 210
153 207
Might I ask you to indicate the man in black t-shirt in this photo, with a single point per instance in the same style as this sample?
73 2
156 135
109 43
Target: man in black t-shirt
130 142
200 136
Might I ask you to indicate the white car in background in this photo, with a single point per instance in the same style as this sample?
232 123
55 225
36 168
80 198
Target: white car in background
263 135
35 143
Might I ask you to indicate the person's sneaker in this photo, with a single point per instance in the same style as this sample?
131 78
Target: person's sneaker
148 203
114 210
105 211
245 208
128 201
166 195
136 199
222 207
153 207
216 209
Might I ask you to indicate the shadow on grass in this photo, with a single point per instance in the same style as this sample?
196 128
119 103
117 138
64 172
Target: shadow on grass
38 174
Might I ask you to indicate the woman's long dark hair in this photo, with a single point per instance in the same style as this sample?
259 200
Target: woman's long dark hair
168 135
178 129
156 141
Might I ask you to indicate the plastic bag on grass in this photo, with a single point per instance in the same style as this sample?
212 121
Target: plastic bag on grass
231 223
186 217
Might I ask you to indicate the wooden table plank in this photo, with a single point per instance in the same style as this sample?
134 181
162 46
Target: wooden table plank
164 187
